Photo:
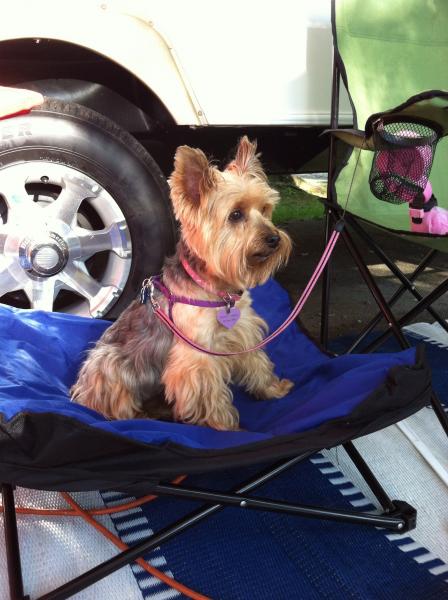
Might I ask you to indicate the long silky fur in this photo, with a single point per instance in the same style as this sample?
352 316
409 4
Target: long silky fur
122 373
137 367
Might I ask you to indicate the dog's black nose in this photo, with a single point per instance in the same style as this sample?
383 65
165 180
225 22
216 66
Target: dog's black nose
272 240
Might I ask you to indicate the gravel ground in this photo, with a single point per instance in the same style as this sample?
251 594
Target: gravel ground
352 305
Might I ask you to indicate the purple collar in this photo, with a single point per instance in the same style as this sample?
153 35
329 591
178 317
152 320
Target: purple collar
148 286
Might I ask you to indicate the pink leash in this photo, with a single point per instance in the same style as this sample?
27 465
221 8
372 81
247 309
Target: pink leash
296 310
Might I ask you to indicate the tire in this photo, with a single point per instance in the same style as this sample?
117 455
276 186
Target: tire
85 211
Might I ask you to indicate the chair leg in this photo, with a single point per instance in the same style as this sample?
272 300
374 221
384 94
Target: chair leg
325 299
395 297
12 544
379 492
437 292
406 281
395 326
373 287
440 412
400 518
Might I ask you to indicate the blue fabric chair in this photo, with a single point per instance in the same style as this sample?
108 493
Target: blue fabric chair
48 442
332 396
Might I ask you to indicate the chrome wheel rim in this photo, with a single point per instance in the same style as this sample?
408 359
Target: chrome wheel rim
62 235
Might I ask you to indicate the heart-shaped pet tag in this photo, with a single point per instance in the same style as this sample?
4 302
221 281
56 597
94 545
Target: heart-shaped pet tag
228 318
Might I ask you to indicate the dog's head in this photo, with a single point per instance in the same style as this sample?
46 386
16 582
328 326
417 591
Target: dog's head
225 216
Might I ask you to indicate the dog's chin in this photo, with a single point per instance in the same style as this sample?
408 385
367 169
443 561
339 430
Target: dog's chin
263 264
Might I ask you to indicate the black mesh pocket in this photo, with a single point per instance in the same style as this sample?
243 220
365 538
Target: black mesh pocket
403 159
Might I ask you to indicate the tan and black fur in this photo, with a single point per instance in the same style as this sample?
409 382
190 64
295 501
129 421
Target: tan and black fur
138 369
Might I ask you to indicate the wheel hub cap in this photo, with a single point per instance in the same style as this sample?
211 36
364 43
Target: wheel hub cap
44 257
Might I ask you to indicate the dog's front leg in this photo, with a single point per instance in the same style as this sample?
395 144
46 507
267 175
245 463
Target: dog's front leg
196 385
255 372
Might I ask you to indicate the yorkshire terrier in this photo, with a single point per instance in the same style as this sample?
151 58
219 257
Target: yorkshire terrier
228 244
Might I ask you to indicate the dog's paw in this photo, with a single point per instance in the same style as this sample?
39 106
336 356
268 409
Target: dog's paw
279 388
224 421
223 426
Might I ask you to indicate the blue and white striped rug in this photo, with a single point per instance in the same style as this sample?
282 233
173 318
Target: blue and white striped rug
248 555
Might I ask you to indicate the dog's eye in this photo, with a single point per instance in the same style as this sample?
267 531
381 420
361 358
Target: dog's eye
236 215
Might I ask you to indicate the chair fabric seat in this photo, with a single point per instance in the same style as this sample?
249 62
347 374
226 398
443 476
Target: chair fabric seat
49 442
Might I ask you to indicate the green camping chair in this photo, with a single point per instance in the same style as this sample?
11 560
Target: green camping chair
392 59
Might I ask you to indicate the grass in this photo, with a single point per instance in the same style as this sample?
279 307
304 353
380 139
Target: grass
295 204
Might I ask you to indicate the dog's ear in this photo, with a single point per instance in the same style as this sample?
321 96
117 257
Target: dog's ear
247 160
193 176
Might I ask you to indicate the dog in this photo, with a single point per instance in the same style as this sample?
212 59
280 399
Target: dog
227 244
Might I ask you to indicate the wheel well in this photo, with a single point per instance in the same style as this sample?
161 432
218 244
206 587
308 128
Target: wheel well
73 73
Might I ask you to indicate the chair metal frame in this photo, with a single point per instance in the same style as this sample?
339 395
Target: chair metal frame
333 214
396 515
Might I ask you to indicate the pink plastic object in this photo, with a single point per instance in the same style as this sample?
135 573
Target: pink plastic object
434 221
410 163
